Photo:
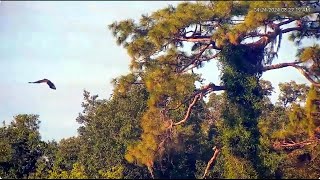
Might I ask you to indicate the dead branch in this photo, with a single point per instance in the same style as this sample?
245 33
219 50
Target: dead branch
198 96
213 158
294 145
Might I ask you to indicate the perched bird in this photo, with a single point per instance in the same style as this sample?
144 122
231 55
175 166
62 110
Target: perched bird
51 85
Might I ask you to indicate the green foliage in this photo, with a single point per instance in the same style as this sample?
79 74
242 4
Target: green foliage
109 126
311 56
240 134
115 172
45 163
292 92
156 49
66 156
22 147
302 120
77 172
131 135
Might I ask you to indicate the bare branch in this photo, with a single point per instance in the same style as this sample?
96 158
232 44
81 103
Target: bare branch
138 83
286 22
204 39
291 29
210 57
306 75
205 90
281 65
200 60
294 64
213 158
198 96
267 38
294 145
196 58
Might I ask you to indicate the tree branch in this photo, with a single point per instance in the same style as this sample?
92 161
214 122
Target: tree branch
200 60
306 75
151 171
198 96
294 64
196 58
267 38
214 157
204 39
286 22
293 145
138 83
204 90
291 29
278 66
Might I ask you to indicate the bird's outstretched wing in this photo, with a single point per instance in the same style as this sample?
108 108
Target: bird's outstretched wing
50 84
40 81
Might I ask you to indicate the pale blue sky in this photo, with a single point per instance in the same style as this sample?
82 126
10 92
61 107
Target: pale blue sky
70 44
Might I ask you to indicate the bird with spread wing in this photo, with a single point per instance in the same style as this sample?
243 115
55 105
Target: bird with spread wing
50 84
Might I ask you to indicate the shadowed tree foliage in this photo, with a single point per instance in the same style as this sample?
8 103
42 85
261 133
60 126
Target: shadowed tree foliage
66 159
108 126
46 162
111 126
21 147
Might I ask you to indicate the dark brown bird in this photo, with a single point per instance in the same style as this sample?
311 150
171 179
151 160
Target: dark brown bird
50 84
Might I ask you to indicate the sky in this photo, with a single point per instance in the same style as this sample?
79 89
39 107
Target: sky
69 43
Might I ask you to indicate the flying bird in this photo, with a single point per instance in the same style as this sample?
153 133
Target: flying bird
50 84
